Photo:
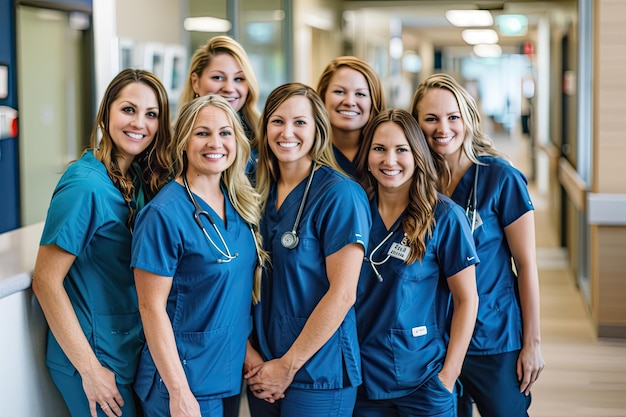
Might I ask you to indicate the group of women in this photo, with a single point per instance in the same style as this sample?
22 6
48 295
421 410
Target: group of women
339 257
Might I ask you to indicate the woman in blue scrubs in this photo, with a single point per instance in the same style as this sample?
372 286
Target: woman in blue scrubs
82 276
504 358
222 66
304 359
353 96
421 253
195 257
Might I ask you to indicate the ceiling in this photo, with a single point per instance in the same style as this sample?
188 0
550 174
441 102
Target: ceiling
426 18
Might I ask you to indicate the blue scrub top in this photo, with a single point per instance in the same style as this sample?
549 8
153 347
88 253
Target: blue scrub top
502 198
209 304
348 166
401 320
336 214
87 218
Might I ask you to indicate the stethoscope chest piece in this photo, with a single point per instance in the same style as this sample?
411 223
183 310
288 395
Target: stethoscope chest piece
289 240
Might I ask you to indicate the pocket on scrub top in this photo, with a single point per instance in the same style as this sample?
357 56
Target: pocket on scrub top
207 360
118 343
415 351
415 271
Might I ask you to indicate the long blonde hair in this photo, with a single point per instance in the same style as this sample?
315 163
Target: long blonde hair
244 198
202 58
321 152
476 142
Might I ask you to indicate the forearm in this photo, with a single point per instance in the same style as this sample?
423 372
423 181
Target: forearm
461 330
51 268
66 329
162 345
528 283
319 328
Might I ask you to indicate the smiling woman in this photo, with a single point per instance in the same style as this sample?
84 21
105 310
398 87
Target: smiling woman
304 350
89 300
207 260
353 96
402 300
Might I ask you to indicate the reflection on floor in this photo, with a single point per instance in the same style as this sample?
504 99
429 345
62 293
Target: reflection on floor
584 377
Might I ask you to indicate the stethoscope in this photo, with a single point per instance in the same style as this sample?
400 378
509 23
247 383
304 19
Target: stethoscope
197 214
290 239
471 202
370 258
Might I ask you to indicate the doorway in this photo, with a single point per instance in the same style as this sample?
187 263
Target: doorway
53 73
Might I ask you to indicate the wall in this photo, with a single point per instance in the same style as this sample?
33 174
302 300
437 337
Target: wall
608 241
317 37
26 389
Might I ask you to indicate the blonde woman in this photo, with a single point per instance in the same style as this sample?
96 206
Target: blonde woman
196 258
504 358
221 66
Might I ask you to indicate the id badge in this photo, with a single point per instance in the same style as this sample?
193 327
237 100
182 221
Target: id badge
399 251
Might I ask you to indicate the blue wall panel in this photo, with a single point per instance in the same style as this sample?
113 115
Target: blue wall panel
9 156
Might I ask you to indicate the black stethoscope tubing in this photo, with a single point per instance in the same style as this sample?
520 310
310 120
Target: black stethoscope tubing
472 201
290 239
196 215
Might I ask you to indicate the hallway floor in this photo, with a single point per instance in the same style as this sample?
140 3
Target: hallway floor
583 377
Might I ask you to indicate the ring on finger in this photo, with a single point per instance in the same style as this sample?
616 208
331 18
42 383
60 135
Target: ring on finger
104 405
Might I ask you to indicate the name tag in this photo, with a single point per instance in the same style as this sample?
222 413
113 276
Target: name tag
399 251
419 331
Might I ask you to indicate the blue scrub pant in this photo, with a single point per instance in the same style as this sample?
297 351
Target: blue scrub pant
431 399
71 387
491 382
158 405
306 403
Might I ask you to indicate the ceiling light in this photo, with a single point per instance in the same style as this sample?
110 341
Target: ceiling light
476 36
206 24
469 18
512 24
487 51
411 62
395 47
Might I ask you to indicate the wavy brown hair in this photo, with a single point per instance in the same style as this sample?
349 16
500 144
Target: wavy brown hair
154 162
419 215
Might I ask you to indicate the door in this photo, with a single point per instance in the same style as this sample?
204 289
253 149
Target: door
53 102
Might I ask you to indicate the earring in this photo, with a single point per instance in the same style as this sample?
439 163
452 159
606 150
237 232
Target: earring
196 95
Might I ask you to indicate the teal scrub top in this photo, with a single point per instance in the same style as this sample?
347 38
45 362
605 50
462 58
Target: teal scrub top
88 217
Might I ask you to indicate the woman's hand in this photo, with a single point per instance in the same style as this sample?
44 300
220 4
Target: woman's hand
101 391
270 380
184 404
530 363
